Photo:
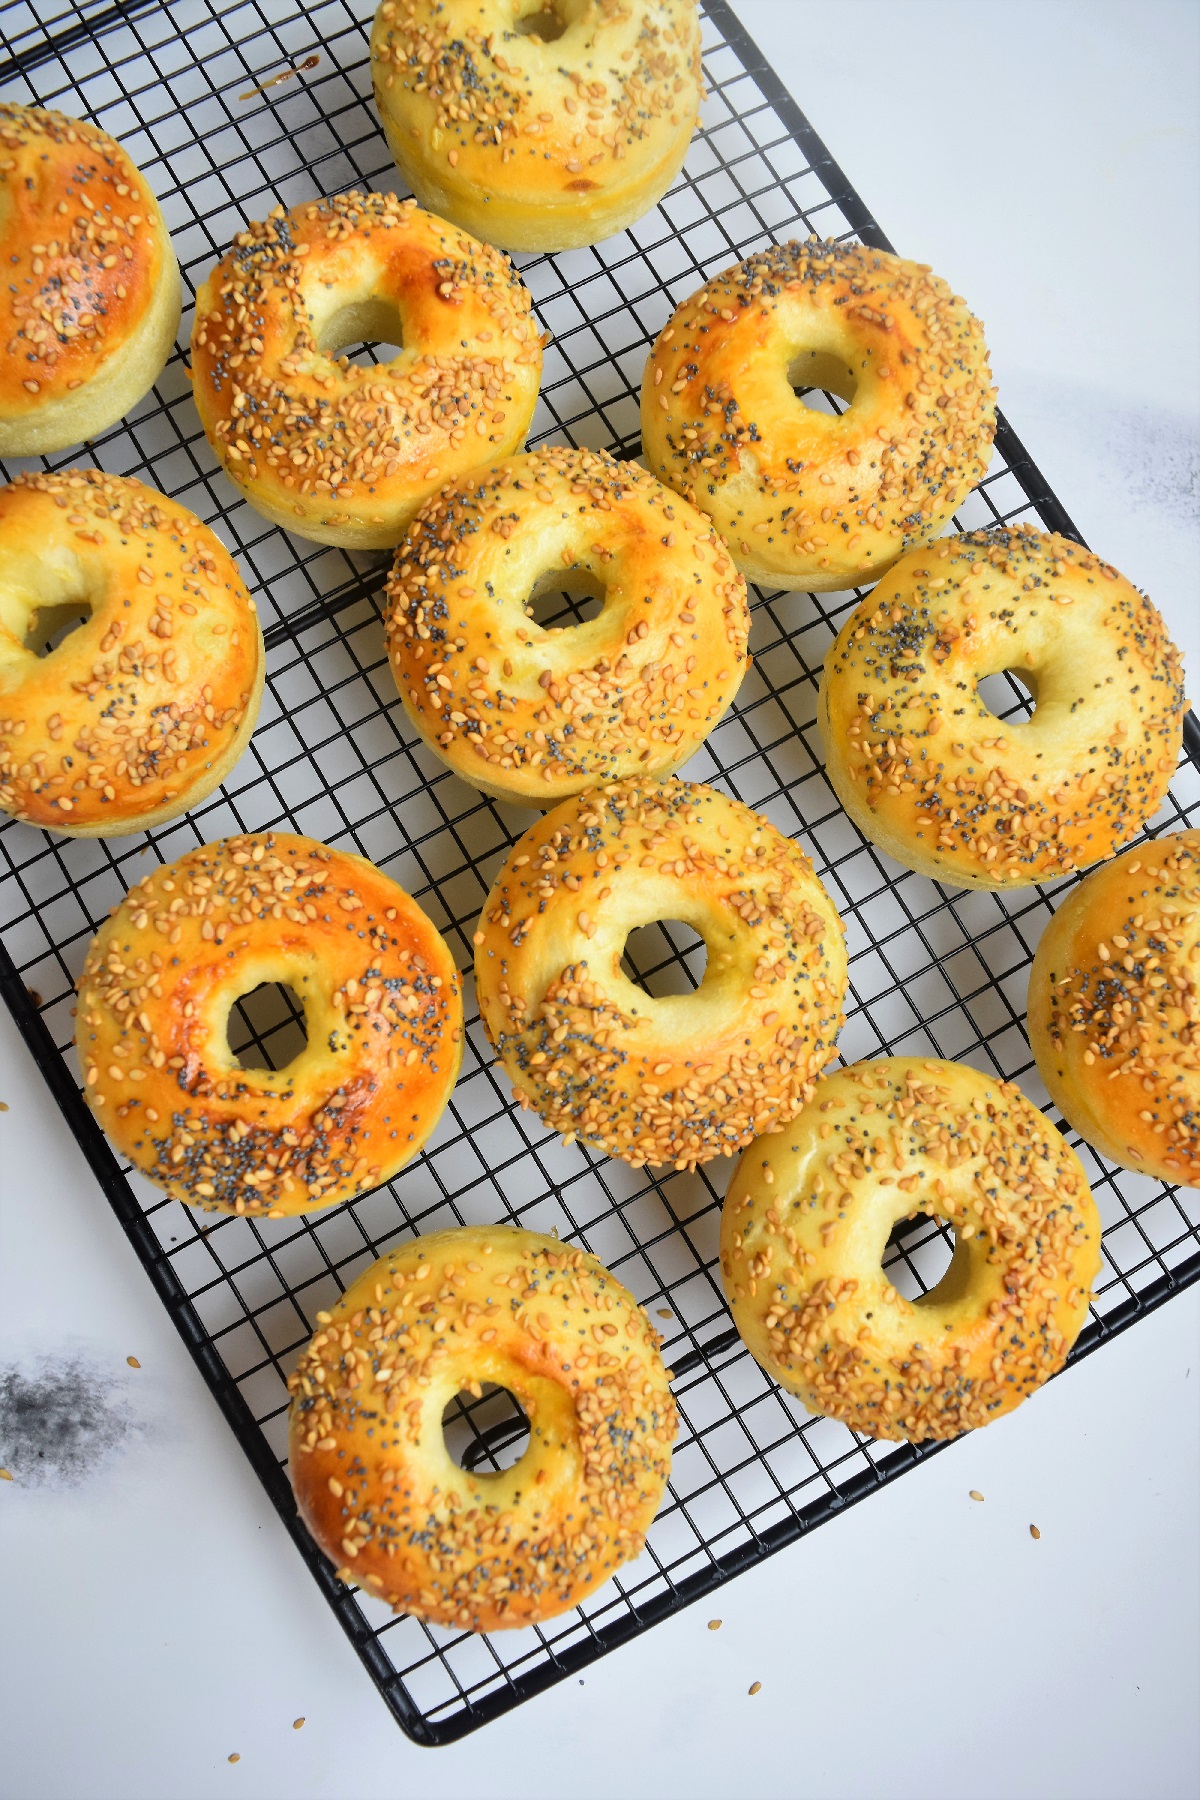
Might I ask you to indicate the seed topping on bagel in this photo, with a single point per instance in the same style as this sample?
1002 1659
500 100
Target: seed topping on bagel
803 496
596 1058
1114 1008
521 698
369 1464
807 1220
928 770
100 259
114 728
349 1107
276 406
484 98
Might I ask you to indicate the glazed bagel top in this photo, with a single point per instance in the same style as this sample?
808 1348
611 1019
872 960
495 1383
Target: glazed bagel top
312 438
130 710
522 132
935 777
680 1078
538 714
84 249
382 1011
1114 1008
798 494
806 1225
373 1477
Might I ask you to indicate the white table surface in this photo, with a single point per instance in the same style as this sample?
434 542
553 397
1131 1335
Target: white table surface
1042 154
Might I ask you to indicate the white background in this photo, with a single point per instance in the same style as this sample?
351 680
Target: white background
1043 156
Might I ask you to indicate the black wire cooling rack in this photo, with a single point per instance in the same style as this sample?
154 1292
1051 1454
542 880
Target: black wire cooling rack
932 970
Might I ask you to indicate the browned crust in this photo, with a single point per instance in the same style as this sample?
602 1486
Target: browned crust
804 499
142 709
369 1466
337 452
538 145
537 714
383 1014
1114 1008
85 252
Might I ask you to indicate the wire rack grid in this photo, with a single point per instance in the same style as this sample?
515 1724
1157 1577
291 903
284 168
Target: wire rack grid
933 971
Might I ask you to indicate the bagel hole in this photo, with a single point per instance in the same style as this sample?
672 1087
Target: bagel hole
488 1433
267 1028
50 626
918 1254
821 382
563 598
364 333
665 958
546 22
1008 695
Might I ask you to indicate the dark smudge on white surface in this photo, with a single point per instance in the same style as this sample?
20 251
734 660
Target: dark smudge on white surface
62 1418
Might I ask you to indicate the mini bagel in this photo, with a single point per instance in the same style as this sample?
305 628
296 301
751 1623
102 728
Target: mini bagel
342 454
531 714
1114 1008
374 1480
933 777
567 133
382 1010
145 708
91 297
683 1078
805 500
806 1223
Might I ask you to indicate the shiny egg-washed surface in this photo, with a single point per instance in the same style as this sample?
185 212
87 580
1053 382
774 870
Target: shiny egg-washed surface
1114 1008
532 714
381 1001
369 1462
140 712
90 303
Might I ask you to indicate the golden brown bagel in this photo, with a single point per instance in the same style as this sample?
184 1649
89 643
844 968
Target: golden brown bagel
382 1011
538 124
679 1079
936 779
533 715
344 454
805 500
806 1223
1114 1008
374 1480
144 709
91 295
